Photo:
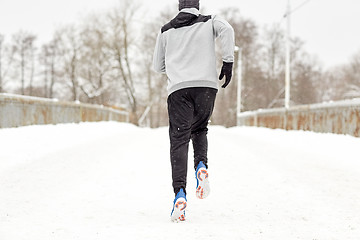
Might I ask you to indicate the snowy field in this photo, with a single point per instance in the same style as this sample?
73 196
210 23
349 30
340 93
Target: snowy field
108 181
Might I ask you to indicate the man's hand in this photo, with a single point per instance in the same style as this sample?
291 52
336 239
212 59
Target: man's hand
226 71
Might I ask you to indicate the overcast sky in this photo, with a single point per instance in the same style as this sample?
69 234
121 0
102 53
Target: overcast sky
330 28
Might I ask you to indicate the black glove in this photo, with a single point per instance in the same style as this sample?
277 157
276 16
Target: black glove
226 71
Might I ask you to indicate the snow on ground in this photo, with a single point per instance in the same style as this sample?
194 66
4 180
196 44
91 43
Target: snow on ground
112 181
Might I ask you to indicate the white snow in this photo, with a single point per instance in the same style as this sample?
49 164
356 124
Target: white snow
112 181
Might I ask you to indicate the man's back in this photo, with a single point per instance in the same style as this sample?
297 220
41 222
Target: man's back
185 49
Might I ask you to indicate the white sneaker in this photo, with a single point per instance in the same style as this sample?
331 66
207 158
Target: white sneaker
178 211
202 177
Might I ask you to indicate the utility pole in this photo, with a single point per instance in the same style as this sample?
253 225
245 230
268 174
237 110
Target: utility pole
239 76
287 57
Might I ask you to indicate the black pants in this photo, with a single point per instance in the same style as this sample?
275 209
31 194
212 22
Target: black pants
189 112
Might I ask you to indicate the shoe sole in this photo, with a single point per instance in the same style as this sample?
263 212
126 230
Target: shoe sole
203 189
178 213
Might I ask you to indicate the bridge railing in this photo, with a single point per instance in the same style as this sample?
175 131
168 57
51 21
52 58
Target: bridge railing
342 117
17 110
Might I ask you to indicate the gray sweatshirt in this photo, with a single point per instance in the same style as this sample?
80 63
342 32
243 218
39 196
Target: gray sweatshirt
185 49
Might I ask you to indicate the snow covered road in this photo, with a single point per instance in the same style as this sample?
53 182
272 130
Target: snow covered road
112 181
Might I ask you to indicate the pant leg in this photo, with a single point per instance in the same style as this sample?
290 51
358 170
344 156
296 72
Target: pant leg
180 111
204 101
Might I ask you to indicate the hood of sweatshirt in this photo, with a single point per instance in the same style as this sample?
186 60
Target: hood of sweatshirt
185 17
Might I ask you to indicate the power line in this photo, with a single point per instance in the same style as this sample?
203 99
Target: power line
296 8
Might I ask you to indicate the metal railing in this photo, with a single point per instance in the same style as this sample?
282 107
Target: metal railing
342 117
17 110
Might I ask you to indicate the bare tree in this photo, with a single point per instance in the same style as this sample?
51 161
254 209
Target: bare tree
44 60
95 61
352 77
32 53
52 49
23 43
149 39
121 44
69 49
273 67
332 84
50 60
306 75
52 52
